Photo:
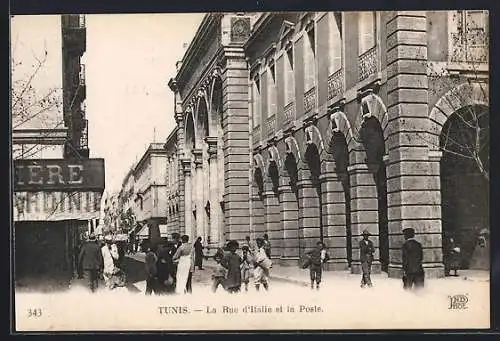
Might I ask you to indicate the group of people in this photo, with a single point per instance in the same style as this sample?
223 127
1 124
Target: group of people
235 270
98 260
413 271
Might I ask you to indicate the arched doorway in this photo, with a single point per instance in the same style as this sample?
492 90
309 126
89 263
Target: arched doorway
201 174
372 136
272 208
314 165
339 149
464 171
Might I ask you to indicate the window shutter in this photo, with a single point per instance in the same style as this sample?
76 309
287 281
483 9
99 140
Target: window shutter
335 46
366 31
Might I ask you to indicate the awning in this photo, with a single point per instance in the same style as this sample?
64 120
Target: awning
54 206
144 231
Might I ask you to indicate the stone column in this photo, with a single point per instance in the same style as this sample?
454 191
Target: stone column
215 226
258 228
364 212
198 194
236 142
413 184
179 118
188 208
272 219
334 217
289 212
309 224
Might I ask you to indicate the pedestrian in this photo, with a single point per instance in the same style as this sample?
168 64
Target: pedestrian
454 254
110 259
91 262
262 266
184 259
366 251
267 246
413 271
317 257
232 262
219 274
151 271
165 268
251 244
246 266
198 253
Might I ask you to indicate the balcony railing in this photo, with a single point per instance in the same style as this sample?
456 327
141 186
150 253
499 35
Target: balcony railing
289 113
81 75
367 63
310 99
470 47
256 134
84 136
335 84
271 125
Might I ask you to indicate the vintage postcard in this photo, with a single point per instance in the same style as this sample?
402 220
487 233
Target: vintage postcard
250 171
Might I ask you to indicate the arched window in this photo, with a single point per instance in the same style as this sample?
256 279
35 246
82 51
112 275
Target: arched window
271 90
309 60
366 31
256 101
289 76
335 42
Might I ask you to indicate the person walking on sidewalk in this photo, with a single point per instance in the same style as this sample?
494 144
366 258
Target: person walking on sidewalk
413 271
110 258
91 262
246 265
198 253
219 274
317 257
262 266
184 259
232 262
151 261
267 246
366 251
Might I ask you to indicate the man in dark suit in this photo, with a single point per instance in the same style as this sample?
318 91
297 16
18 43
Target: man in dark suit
413 272
91 262
366 251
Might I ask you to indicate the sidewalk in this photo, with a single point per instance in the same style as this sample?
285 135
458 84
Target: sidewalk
295 275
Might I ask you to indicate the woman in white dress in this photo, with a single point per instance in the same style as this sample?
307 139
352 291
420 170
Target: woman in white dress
184 257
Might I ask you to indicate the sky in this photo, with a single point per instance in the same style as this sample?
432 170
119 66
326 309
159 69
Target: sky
128 62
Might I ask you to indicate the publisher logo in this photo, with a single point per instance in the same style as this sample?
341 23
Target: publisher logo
458 302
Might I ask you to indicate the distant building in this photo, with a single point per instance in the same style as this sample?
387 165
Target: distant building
317 126
172 182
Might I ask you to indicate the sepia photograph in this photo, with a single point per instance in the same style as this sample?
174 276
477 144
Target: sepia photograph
250 171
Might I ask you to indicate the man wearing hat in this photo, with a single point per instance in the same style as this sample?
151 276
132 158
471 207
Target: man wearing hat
366 251
413 271
91 262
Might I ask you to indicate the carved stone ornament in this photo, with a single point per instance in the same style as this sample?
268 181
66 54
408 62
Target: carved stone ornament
240 29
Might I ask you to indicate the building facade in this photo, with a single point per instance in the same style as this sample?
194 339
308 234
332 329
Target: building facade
318 126
56 193
74 42
172 178
150 190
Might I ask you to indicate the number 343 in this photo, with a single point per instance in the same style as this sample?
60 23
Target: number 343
34 312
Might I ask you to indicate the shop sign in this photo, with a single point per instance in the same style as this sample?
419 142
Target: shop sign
58 174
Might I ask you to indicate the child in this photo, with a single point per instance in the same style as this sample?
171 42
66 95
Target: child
262 265
246 266
219 275
232 263
317 257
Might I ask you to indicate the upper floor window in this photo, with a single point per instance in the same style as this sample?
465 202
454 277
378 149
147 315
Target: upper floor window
271 90
366 30
469 36
256 101
289 76
309 60
335 42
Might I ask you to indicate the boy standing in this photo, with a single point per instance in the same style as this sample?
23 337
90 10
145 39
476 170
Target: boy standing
246 266
219 275
317 257
366 251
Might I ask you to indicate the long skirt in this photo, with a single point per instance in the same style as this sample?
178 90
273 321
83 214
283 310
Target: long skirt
182 273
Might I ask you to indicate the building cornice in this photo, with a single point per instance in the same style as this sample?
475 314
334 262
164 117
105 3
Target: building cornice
152 150
204 30
258 28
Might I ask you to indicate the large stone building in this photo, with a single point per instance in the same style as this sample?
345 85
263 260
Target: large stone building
317 126
172 176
